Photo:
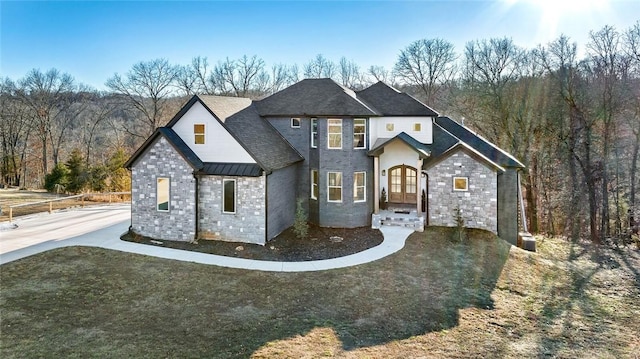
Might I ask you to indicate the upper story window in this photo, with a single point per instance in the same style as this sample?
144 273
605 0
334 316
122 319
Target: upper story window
314 133
359 132
198 133
295 123
417 127
162 194
390 127
334 187
335 133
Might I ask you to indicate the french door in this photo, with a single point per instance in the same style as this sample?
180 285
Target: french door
403 184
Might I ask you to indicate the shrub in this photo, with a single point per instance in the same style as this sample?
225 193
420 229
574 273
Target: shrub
59 177
300 224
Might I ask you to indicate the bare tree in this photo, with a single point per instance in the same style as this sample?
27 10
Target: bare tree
319 67
349 73
146 87
427 63
244 77
379 73
15 129
282 76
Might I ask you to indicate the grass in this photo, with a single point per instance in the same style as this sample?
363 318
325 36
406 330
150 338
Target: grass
434 298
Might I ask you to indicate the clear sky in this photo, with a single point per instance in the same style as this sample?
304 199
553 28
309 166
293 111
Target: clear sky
92 40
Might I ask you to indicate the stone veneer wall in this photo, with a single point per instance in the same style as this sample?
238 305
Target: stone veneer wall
247 225
178 224
479 205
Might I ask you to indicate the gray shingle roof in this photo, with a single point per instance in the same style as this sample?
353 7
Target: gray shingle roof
231 169
261 140
314 97
423 149
225 106
178 144
390 102
486 148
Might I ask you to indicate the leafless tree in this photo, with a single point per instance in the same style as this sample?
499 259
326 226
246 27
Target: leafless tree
319 67
427 63
146 87
349 73
379 73
242 77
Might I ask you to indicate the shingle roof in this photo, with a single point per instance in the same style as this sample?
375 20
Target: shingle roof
231 169
225 106
421 148
261 140
390 102
178 144
314 97
486 148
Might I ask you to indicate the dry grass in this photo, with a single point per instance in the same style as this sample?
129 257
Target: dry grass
434 298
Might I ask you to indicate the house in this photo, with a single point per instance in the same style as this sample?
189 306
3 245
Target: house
232 169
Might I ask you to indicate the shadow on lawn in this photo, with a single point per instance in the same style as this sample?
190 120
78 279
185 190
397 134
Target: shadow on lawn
138 306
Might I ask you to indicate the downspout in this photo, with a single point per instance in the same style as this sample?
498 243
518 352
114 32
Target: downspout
266 208
197 219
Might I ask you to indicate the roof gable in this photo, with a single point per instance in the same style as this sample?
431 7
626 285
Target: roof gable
478 143
314 97
178 144
421 148
390 102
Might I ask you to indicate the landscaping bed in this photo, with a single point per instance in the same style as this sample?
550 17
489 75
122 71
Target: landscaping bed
321 243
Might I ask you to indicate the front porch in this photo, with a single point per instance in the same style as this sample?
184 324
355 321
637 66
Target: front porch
409 218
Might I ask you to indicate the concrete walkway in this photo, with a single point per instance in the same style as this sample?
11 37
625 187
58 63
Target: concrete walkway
109 238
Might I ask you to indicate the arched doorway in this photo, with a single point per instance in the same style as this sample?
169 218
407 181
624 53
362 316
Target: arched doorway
403 184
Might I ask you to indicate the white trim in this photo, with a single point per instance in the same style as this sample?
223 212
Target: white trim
329 133
315 185
364 187
294 119
329 187
235 195
314 142
168 189
364 134
466 182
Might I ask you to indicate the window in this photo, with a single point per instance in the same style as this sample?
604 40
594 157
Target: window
417 127
334 186
359 186
162 194
229 196
314 133
335 133
390 127
295 123
314 184
359 132
460 183
198 132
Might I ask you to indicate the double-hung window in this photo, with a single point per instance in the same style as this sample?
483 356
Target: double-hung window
314 133
314 184
335 133
228 196
198 133
359 186
334 186
162 194
359 132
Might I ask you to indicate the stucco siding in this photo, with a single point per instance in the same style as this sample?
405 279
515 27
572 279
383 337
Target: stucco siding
178 224
247 224
281 200
478 205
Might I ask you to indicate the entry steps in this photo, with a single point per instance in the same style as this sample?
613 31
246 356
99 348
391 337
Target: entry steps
401 217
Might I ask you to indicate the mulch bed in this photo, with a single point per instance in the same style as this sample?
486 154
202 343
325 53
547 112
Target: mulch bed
321 243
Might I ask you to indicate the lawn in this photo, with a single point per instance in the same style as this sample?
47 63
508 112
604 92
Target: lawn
434 298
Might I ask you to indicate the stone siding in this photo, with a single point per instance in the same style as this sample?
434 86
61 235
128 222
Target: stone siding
178 224
478 205
247 225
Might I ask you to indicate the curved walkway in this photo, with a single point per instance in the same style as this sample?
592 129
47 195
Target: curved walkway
12 240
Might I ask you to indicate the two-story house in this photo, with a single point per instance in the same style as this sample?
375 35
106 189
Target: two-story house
232 169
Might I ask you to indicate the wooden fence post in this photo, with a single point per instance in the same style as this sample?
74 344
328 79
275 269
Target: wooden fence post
50 207
10 214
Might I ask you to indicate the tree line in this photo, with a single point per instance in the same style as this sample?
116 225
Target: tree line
573 120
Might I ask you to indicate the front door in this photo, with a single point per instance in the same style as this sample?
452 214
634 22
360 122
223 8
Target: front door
403 184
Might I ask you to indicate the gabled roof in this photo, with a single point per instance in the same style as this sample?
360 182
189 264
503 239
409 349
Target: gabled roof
220 106
178 144
314 97
261 140
421 148
390 102
464 147
484 147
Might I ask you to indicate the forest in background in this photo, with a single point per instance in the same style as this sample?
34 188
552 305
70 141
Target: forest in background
572 119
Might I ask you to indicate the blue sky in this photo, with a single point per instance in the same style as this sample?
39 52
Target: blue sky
92 40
